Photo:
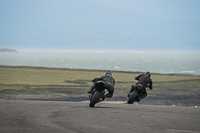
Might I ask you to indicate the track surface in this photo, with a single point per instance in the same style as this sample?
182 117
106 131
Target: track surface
21 116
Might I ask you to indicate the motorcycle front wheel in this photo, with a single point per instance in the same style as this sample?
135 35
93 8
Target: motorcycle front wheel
94 98
132 98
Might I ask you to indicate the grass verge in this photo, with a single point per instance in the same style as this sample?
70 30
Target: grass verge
40 83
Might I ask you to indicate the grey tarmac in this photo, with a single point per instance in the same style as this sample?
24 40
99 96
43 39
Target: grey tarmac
26 116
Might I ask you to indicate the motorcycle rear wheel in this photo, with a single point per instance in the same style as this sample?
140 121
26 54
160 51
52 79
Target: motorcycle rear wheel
94 99
132 98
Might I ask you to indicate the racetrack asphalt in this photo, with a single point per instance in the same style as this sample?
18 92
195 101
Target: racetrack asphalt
25 116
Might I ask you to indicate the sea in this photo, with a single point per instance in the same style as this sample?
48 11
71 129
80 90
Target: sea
155 62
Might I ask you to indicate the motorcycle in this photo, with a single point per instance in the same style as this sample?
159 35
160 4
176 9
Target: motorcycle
136 94
97 94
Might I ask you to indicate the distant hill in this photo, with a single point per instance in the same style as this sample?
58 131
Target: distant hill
7 50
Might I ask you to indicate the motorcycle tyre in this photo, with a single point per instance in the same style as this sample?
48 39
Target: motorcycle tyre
94 99
132 98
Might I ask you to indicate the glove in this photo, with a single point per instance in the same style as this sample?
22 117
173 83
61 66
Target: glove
94 80
150 88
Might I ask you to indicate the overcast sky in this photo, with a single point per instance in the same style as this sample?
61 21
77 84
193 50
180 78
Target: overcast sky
170 9
100 24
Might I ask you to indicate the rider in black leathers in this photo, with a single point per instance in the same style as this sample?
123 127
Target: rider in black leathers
145 81
109 83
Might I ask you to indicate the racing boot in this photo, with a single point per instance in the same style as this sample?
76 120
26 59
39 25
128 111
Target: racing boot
103 98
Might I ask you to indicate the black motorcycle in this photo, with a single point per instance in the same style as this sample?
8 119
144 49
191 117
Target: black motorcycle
97 93
136 94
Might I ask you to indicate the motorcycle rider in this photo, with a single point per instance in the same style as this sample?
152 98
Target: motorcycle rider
145 81
109 83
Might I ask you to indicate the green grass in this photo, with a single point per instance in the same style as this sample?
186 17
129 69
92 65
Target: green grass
33 80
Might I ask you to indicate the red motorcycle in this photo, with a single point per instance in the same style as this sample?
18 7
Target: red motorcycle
136 94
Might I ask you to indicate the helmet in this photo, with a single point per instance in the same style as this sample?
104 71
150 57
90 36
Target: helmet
108 73
148 73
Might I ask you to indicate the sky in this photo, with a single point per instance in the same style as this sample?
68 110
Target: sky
100 25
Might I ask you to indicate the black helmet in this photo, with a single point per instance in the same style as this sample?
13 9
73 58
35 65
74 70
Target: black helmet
108 73
148 73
